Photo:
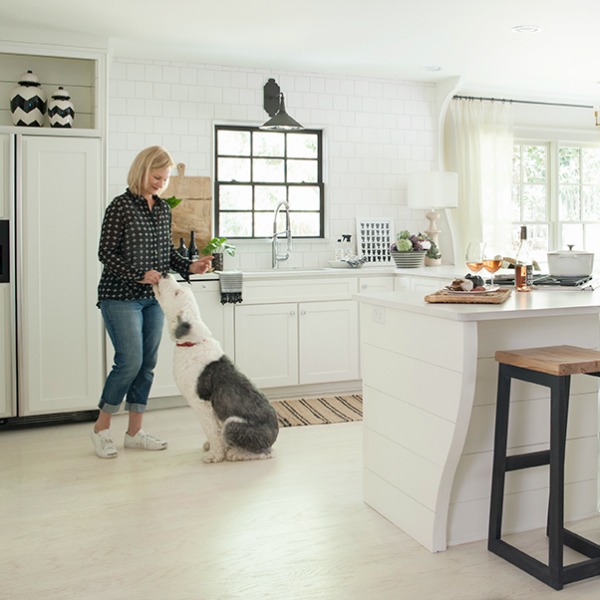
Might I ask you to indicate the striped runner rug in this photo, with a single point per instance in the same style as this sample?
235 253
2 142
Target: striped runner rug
319 411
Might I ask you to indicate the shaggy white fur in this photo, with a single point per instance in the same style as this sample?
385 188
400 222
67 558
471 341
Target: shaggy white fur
239 422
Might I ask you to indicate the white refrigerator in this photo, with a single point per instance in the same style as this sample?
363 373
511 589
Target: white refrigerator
51 206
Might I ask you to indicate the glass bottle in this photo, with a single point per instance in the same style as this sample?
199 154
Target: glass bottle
523 264
193 249
183 248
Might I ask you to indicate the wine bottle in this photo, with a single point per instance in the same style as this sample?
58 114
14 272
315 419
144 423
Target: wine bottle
193 249
182 248
523 264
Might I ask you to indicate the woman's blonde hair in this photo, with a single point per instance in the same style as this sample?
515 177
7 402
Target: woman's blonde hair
154 158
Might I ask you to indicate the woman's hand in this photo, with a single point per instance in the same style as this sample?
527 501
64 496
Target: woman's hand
200 266
150 277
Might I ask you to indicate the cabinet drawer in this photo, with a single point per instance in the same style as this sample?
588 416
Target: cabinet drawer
299 290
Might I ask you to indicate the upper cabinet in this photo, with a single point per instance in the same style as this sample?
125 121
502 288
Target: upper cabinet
81 72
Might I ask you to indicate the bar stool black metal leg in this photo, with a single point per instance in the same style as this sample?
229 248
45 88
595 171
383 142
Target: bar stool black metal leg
499 460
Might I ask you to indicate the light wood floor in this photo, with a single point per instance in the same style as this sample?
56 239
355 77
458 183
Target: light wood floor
165 526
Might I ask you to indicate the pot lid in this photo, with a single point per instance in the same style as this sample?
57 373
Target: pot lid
570 252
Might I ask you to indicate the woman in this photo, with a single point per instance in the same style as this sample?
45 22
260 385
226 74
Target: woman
135 248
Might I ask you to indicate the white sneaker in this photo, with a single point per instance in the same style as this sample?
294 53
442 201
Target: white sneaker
144 440
103 444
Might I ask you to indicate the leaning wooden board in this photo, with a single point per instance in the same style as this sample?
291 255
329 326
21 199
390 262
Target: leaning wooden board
195 212
449 297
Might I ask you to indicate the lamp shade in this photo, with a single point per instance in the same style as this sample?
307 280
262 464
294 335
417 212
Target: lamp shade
433 189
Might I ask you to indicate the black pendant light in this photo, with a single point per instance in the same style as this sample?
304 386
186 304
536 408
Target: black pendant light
274 104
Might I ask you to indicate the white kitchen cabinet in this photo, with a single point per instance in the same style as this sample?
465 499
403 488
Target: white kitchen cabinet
59 210
376 284
278 345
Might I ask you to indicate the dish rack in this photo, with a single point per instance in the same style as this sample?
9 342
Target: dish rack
374 237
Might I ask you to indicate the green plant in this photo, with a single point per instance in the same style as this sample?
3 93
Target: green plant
413 242
173 202
218 245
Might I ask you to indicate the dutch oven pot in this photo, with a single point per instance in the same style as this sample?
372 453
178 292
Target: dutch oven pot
570 263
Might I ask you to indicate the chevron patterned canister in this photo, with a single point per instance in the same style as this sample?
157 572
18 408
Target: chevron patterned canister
28 101
60 109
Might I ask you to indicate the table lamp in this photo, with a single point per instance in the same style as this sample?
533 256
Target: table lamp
431 190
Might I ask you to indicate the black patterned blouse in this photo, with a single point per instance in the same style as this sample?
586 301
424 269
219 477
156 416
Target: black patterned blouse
135 240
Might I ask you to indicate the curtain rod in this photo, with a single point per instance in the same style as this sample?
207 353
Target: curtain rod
522 101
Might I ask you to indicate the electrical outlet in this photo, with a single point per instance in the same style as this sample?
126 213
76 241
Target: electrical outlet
378 314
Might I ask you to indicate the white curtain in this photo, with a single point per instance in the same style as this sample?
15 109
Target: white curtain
479 147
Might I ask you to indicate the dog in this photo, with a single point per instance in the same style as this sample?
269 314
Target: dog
238 420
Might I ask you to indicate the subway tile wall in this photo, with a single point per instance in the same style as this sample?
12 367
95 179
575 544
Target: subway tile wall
375 132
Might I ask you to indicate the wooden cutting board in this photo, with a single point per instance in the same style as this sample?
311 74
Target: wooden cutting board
449 297
194 213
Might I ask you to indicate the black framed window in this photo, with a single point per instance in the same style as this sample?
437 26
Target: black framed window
255 170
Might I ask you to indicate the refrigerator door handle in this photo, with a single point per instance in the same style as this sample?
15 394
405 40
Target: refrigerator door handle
4 251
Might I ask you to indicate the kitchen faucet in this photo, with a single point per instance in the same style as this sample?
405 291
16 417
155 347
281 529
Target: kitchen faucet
276 257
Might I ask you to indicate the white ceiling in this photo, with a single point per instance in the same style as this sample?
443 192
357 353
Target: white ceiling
471 39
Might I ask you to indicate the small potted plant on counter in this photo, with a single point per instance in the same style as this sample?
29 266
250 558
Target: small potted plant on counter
410 249
217 247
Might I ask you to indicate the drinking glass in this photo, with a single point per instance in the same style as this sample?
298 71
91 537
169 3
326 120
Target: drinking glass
474 256
492 261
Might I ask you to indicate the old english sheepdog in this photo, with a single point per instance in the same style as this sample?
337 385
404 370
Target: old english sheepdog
237 418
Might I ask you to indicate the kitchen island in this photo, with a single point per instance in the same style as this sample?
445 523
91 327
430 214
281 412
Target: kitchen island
429 385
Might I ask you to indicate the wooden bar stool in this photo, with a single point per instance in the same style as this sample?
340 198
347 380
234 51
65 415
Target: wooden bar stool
551 367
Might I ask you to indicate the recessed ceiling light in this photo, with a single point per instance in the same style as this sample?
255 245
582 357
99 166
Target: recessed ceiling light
526 29
432 68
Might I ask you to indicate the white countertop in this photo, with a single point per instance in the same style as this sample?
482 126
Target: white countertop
538 303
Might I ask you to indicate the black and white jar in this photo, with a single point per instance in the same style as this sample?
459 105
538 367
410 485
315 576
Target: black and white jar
28 101
60 109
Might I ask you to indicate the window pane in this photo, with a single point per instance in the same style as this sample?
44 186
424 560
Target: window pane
590 165
568 165
235 224
592 239
267 197
302 171
268 144
269 169
571 234
263 224
569 203
235 197
233 169
591 202
534 164
534 203
304 198
233 142
515 213
302 145
305 224
517 164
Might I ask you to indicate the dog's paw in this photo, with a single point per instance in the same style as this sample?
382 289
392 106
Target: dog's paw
234 454
213 457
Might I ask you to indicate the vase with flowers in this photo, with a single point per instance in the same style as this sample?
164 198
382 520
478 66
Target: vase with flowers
410 250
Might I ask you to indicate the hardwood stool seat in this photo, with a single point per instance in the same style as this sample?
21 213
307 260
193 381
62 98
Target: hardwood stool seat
552 367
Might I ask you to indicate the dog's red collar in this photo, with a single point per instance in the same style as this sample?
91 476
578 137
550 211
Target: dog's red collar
186 344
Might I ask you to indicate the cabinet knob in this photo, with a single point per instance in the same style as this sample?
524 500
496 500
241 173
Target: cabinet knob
292 313
364 286
302 312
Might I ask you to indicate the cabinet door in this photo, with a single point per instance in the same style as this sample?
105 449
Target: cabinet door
59 325
266 343
376 284
218 317
328 341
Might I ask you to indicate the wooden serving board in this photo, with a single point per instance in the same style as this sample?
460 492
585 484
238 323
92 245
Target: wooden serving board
195 212
448 297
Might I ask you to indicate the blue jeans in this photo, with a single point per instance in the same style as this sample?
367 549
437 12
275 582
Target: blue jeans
135 328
